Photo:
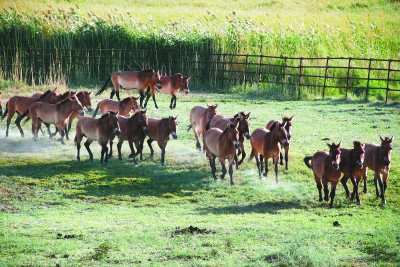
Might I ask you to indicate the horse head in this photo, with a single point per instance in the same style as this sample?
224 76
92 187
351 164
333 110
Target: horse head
386 149
135 103
358 155
288 126
76 105
211 111
232 133
112 122
185 84
173 126
85 98
156 79
334 154
244 125
142 120
281 134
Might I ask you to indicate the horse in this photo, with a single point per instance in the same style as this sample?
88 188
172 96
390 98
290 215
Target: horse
123 107
268 144
351 165
21 104
133 129
56 114
101 130
220 121
199 116
222 144
377 158
170 85
139 80
288 128
159 130
1 107
325 167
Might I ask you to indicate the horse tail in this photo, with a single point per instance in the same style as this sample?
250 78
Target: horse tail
104 86
5 112
251 155
208 125
95 111
188 129
307 161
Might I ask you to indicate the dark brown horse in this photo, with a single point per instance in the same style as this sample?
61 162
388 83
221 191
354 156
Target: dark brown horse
101 130
222 144
56 114
139 80
170 85
326 170
123 107
199 117
351 165
268 144
160 130
377 158
288 129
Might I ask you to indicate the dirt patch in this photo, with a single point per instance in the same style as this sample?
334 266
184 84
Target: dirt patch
72 236
191 230
336 224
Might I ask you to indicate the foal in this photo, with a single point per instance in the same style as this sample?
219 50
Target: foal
222 144
325 167
268 144
351 165
199 116
123 107
377 158
101 130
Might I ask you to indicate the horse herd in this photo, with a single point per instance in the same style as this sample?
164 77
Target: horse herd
222 137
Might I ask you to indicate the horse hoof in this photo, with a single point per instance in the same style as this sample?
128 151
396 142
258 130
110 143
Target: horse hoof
78 158
331 206
91 158
348 196
130 156
384 201
222 177
359 202
232 183
320 200
365 191
120 158
281 163
265 174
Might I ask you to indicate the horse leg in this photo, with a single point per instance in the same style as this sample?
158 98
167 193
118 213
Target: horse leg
119 145
78 148
266 167
112 94
141 98
276 171
223 168
236 161
162 147
231 171
110 154
346 189
385 178
8 126
117 94
87 146
333 192
241 151
133 153
211 159
326 190
18 123
140 148
172 100
365 176
287 159
319 186
154 100
376 178
280 158
62 132
355 190
103 155
381 187
48 129
260 168
149 141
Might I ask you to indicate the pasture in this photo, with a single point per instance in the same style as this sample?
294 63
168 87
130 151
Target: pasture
56 211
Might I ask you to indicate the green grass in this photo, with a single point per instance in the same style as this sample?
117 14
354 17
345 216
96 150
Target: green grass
121 215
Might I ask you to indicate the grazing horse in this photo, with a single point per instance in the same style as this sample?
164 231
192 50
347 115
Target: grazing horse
123 107
159 130
288 128
101 130
171 85
56 114
268 144
20 105
377 158
199 116
1 107
325 167
133 129
220 121
139 80
351 165
222 144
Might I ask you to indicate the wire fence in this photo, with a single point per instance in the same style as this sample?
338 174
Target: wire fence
288 74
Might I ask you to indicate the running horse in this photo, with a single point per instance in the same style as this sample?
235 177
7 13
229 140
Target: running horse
123 107
199 117
101 130
129 80
288 128
222 144
267 144
325 167
170 85
377 158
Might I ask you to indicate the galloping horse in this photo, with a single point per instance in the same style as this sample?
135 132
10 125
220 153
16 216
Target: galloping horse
351 165
199 116
159 130
139 80
101 130
20 105
267 144
222 144
325 167
123 107
170 85
377 158
56 114
288 128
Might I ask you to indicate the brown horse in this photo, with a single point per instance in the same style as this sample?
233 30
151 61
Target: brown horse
20 105
222 144
133 129
101 130
326 170
171 85
268 144
139 80
377 158
159 130
351 165
288 128
199 117
123 107
220 121
56 114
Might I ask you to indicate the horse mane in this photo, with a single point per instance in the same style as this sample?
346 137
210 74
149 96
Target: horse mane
357 143
62 102
45 94
125 100
103 117
148 70
271 129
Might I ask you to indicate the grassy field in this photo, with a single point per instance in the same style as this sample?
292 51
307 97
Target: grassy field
55 211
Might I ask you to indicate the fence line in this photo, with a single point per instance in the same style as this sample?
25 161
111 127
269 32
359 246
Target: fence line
290 74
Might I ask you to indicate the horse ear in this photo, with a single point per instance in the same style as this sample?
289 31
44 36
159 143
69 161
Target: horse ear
90 93
176 117
188 78
329 145
391 139
116 113
284 124
381 138
248 115
216 106
340 143
290 119
277 124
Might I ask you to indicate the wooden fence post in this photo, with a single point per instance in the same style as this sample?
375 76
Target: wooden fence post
348 77
387 82
368 79
223 69
31 65
301 74
259 72
326 74
284 74
245 72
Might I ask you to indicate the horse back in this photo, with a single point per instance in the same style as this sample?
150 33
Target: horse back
219 121
89 127
257 139
270 124
211 140
318 163
154 128
122 121
372 158
108 105
198 115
